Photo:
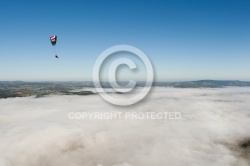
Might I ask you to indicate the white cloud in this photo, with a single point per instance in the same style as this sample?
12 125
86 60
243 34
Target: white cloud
38 132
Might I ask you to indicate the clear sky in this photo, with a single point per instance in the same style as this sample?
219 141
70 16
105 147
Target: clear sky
184 39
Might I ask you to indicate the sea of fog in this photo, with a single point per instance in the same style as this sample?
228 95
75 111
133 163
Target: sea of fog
213 124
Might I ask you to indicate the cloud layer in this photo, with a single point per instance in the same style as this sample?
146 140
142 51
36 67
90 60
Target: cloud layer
38 132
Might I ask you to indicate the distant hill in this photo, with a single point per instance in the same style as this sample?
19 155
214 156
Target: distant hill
203 84
40 89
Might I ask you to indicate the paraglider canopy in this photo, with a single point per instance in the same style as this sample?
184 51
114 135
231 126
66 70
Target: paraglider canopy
53 40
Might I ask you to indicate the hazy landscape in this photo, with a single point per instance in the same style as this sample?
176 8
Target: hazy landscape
213 130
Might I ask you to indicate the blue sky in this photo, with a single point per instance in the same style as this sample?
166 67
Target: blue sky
185 40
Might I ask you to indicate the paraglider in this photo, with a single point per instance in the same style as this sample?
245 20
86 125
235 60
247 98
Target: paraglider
53 40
